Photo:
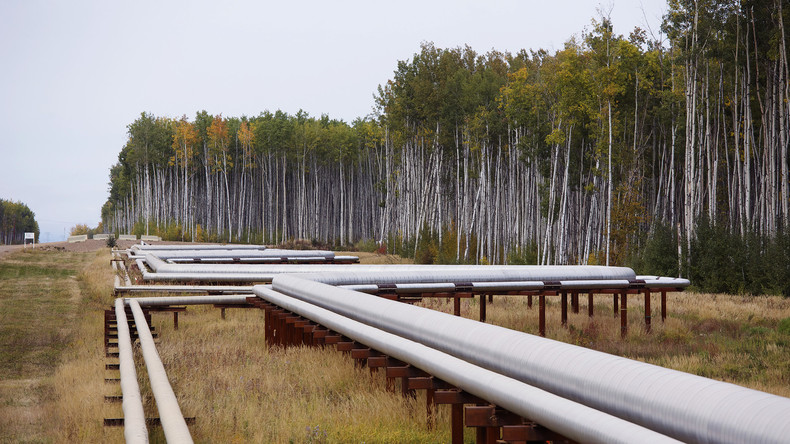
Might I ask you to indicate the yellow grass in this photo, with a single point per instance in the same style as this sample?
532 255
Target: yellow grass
242 391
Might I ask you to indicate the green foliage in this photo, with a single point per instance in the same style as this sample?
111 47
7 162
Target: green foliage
526 255
722 261
784 326
512 124
15 220
660 253
173 232
366 245
447 249
427 248
715 259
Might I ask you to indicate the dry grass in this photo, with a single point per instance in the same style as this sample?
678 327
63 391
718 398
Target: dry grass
376 259
51 351
79 386
241 391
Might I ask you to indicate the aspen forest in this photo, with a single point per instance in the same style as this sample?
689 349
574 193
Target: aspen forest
665 150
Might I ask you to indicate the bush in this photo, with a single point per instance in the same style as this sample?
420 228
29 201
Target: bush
527 255
427 248
366 245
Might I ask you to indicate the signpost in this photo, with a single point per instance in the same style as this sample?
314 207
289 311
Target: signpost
31 236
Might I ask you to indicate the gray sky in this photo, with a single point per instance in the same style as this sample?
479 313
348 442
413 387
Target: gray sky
74 74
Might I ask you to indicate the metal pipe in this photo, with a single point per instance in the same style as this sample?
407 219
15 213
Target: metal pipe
127 281
361 279
173 423
198 247
184 289
249 260
664 282
378 274
189 300
134 429
436 287
684 406
234 253
571 419
117 279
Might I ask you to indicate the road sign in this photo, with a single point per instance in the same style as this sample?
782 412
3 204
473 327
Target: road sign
31 236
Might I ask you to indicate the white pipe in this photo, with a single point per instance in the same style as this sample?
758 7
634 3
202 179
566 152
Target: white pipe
134 429
248 260
198 247
184 289
571 419
173 423
189 300
127 281
233 253
378 274
117 280
681 405
366 277
341 274
664 282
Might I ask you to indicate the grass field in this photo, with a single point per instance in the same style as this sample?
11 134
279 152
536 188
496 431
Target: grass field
52 359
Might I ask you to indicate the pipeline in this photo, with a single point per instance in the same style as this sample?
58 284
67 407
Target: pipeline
116 270
571 419
184 289
683 406
380 274
233 253
198 247
189 300
134 429
173 423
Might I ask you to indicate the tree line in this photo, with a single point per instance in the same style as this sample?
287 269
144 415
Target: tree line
596 153
15 220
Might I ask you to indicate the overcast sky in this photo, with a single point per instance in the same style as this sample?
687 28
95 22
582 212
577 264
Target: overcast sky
74 74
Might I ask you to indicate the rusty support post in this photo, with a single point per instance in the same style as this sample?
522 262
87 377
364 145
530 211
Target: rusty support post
542 315
279 330
175 320
457 423
663 305
575 301
529 301
564 307
491 298
616 306
456 305
624 314
590 306
222 312
456 398
266 325
647 310
482 308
